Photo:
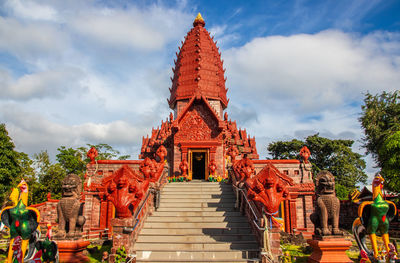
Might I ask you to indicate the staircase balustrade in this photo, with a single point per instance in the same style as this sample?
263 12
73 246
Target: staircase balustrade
258 219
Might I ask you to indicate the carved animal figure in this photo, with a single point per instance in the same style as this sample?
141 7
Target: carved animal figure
266 187
21 220
161 153
125 189
245 169
305 154
374 218
232 152
184 167
92 154
326 215
212 166
69 208
146 168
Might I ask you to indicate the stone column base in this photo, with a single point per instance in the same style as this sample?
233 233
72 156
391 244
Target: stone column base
70 251
329 249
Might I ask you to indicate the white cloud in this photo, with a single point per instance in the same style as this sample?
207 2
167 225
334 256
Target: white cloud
31 40
304 84
327 69
146 30
28 9
33 132
52 83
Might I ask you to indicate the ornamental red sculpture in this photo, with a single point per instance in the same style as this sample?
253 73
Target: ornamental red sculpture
146 168
212 167
125 189
268 188
233 152
150 169
244 168
92 154
197 125
161 153
305 154
184 167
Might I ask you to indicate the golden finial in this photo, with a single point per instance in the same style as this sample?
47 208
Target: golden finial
199 20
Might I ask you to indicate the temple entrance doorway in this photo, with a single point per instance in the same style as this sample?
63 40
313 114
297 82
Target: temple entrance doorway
198 164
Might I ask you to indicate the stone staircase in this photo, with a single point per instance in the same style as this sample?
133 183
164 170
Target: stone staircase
196 222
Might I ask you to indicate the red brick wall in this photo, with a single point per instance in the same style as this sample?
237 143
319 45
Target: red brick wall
48 212
219 158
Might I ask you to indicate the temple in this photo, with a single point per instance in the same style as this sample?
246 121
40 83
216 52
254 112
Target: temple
198 142
198 131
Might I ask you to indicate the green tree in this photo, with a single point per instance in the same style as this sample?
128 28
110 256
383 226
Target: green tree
75 160
380 119
72 160
49 178
107 152
13 165
391 165
335 156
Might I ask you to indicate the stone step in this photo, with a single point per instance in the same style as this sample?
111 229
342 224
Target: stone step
196 213
195 238
196 191
196 231
196 246
204 184
197 222
197 204
190 256
197 261
194 219
196 195
189 199
195 209
199 189
193 225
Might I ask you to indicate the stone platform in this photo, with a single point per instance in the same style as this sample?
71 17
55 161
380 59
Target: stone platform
329 249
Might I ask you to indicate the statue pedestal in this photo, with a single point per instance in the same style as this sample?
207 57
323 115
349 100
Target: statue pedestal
71 250
330 249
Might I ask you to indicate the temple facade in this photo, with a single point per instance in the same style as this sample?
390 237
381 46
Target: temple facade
198 141
198 131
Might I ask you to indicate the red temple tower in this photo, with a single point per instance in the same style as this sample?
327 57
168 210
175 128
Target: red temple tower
198 131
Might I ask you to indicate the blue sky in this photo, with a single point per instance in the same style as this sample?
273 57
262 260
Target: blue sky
77 72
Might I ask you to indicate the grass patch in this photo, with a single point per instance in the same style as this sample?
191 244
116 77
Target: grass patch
96 251
295 253
353 255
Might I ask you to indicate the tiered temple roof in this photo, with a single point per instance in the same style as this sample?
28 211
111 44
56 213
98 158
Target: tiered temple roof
198 68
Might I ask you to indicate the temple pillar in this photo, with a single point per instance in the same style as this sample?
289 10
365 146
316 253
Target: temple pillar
293 211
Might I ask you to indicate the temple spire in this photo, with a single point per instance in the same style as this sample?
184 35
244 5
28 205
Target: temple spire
199 20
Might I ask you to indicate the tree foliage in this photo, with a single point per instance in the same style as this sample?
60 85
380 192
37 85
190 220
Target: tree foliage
69 160
75 160
106 152
49 177
380 119
335 156
13 164
42 175
72 160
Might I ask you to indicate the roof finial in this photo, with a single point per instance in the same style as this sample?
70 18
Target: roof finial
199 20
